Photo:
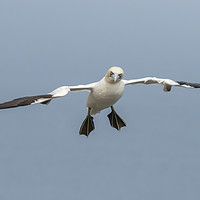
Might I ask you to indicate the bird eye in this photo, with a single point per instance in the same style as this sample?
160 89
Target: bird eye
111 73
120 75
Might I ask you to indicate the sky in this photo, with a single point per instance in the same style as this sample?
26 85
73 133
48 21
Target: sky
45 44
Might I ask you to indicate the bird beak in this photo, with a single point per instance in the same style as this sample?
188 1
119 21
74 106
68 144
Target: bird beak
115 77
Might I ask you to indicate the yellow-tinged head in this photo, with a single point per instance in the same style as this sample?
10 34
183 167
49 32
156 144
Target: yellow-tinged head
114 74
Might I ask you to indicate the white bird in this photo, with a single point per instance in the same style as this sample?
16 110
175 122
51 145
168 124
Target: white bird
103 94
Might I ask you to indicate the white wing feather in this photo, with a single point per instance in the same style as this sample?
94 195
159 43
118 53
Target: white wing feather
60 92
166 83
87 87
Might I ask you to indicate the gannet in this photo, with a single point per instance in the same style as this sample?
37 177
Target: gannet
102 94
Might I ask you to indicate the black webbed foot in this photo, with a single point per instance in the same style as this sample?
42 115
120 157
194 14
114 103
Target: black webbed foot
87 125
115 120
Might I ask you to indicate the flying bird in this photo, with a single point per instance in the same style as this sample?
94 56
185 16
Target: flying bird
102 94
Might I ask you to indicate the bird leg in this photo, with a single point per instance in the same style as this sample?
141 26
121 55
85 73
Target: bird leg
87 125
115 120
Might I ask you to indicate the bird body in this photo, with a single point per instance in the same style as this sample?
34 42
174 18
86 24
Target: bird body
103 94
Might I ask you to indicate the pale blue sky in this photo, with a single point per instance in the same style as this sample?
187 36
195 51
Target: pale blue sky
45 44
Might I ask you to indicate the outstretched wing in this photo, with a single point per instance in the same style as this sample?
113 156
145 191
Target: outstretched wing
166 83
45 98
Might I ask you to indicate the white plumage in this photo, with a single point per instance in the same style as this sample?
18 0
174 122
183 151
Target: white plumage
104 95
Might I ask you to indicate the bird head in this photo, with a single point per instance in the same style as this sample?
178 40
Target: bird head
114 74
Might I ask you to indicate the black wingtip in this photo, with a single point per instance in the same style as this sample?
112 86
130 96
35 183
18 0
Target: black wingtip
25 101
193 85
